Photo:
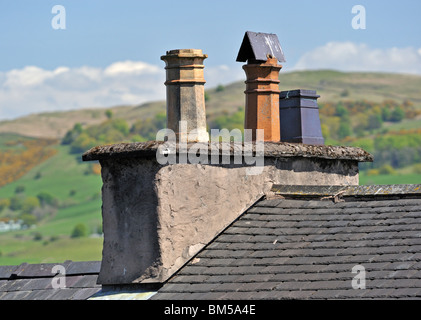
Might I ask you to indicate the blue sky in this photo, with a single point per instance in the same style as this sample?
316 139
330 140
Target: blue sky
109 53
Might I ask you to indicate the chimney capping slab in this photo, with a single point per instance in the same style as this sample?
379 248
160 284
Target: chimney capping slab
271 150
186 53
302 93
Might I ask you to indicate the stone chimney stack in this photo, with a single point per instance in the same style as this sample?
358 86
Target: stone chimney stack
262 52
186 114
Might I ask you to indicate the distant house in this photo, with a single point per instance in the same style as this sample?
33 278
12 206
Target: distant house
10 225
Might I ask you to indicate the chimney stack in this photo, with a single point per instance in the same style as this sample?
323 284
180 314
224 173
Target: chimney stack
185 94
262 52
157 216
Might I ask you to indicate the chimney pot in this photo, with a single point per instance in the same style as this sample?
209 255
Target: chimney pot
262 99
262 52
185 94
299 117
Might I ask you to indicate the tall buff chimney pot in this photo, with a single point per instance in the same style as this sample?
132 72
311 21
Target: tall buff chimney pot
186 94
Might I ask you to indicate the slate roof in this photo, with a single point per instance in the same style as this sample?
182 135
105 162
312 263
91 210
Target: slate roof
301 244
34 281
295 247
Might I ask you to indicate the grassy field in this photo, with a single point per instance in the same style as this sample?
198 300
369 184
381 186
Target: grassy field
19 249
64 176
60 175
390 179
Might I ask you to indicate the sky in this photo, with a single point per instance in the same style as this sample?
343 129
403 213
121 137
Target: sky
102 53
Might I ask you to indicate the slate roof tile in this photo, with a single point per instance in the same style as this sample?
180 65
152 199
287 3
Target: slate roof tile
85 293
83 267
37 284
39 294
269 203
35 281
15 295
37 270
6 271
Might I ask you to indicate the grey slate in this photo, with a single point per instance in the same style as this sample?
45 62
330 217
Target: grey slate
305 249
257 46
34 281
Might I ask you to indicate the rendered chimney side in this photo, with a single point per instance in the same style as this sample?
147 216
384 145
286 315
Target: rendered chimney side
186 94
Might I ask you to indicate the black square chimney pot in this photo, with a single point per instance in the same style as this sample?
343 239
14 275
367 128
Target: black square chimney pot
299 117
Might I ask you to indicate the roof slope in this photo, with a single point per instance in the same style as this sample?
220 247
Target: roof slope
306 249
35 281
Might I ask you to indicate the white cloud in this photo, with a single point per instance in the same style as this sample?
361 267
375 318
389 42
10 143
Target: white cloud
349 56
131 67
33 89
29 76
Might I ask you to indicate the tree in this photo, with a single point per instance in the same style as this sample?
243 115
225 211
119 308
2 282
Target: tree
345 93
79 231
29 204
341 111
121 125
344 129
4 203
16 203
82 143
207 97
397 115
28 219
417 168
37 236
374 122
220 88
46 198
20 189
148 128
109 114
387 169
72 134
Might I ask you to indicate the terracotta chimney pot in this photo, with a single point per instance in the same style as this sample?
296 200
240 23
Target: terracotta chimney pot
262 99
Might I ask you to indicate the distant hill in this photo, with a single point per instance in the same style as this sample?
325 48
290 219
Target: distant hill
330 85
56 192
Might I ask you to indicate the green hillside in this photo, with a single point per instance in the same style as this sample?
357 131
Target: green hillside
330 85
59 197
77 200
